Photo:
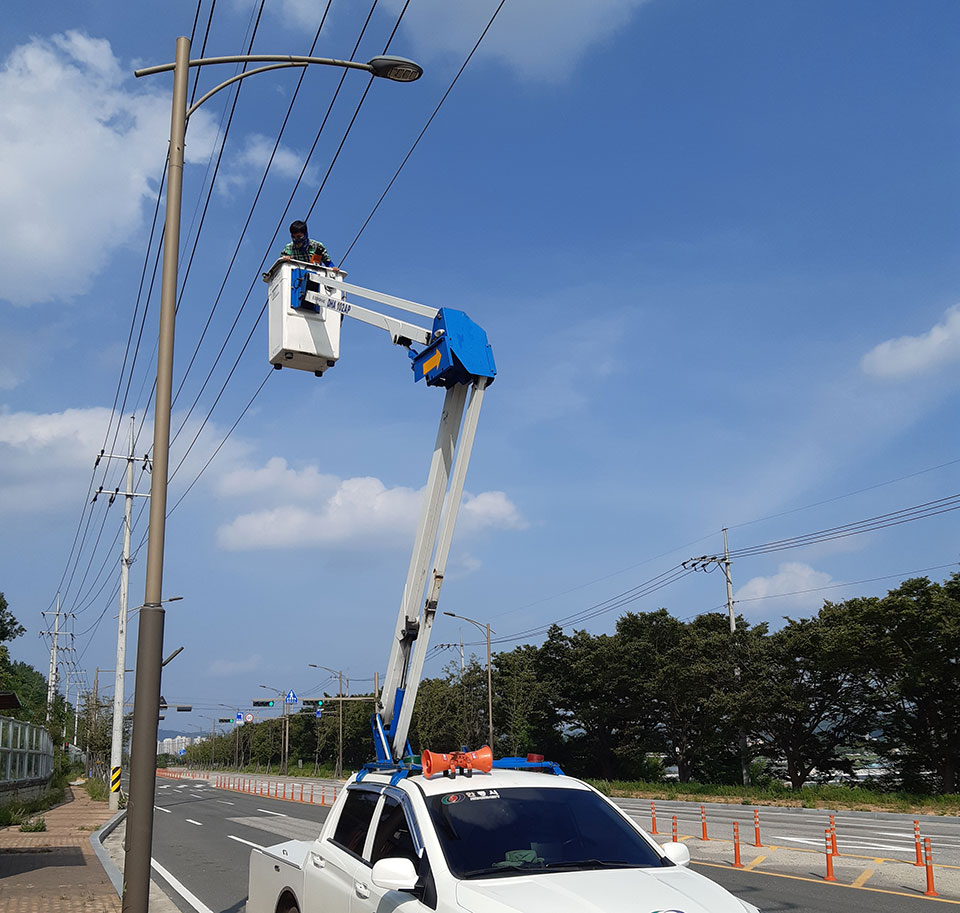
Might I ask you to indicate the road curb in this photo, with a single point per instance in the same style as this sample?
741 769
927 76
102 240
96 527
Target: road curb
96 841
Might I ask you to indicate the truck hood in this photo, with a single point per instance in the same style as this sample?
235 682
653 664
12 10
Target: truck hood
672 890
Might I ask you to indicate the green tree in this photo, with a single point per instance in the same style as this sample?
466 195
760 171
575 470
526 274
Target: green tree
815 703
688 698
9 626
911 640
589 684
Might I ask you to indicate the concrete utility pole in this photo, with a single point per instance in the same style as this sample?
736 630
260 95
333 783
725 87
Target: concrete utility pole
116 743
726 574
700 564
52 677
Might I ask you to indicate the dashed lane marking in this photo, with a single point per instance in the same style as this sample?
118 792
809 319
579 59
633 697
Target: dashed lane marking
160 809
197 823
267 811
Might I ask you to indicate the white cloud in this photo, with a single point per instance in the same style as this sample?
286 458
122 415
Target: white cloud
793 579
911 355
320 510
80 153
277 479
541 41
490 509
252 159
46 459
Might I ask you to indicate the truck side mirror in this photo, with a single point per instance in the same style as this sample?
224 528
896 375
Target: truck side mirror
395 874
677 853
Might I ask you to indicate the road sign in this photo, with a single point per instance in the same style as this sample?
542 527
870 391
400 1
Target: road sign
182 751
239 716
248 718
319 714
291 698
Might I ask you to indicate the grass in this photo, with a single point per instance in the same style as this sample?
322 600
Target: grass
96 789
828 796
19 813
33 825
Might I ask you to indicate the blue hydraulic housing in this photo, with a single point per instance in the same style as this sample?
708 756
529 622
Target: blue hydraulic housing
298 291
459 352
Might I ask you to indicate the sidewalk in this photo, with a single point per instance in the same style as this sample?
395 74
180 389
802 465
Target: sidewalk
56 870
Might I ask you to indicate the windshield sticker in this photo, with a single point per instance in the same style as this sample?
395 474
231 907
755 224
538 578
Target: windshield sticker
471 796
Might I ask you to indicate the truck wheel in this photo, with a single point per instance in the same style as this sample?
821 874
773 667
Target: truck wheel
287 904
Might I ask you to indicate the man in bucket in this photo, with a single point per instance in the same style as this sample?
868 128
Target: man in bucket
302 248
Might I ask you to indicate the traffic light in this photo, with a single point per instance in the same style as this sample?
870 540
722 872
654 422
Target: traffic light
225 719
262 703
312 703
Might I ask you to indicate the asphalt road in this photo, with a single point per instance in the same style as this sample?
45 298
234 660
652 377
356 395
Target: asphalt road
203 837
858 833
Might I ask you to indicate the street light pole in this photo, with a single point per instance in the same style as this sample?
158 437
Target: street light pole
146 709
486 628
338 773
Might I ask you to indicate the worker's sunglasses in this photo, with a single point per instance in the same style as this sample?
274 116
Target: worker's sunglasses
298 236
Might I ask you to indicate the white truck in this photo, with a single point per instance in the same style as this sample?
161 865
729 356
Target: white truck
501 841
460 833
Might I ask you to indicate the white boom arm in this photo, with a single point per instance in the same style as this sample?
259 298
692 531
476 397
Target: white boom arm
317 291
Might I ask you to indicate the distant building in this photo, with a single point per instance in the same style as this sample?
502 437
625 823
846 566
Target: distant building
173 746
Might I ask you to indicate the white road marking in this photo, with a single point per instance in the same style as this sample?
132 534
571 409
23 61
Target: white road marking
267 811
182 890
843 844
225 801
197 823
256 846
198 795
159 809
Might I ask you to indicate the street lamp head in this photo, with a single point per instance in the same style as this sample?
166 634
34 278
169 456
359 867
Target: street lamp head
399 69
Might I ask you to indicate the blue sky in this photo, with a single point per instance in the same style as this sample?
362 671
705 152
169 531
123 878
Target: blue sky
714 247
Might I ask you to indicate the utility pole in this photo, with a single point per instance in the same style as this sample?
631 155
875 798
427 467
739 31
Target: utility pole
116 742
93 717
726 574
52 677
700 564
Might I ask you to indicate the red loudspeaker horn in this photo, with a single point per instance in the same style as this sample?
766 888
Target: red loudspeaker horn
434 762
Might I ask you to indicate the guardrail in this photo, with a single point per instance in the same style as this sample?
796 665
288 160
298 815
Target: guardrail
26 753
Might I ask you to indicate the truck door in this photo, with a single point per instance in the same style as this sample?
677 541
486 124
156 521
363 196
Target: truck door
395 835
331 864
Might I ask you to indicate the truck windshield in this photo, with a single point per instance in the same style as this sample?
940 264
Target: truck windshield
489 833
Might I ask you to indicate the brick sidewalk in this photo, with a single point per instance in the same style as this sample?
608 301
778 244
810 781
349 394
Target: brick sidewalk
56 870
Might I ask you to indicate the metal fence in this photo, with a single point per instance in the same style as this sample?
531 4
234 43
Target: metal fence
26 752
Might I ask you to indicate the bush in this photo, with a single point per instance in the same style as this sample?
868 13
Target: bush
96 789
34 824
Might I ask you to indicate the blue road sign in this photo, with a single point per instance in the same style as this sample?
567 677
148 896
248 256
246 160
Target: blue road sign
319 714
239 717
182 751
291 698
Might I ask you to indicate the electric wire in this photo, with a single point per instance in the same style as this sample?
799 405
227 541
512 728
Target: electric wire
423 131
113 412
253 206
266 254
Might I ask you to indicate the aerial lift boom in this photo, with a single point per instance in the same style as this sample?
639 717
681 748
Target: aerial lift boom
307 304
